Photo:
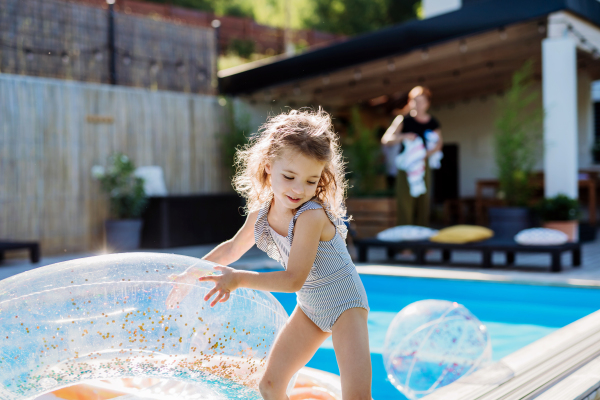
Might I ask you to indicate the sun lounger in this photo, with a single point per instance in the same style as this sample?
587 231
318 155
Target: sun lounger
486 248
33 247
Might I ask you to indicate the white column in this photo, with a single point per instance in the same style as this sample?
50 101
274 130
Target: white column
431 8
559 85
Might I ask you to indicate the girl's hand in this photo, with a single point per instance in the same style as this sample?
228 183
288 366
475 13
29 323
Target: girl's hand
183 284
224 284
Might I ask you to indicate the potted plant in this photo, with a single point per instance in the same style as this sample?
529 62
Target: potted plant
518 144
127 202
560 213
372 208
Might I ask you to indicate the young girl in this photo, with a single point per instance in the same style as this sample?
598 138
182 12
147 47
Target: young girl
292 176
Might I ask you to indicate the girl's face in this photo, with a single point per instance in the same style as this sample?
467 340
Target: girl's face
294 178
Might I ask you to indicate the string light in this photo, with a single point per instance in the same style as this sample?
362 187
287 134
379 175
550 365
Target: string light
502 33
425 53
391 66
65 57
357 74
541 27
180 66
462 47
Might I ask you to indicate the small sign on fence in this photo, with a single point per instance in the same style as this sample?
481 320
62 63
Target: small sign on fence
100 119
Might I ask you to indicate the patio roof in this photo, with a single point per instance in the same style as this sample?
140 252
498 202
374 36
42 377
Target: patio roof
466 53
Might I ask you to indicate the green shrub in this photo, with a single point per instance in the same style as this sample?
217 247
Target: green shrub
558 208
236 136
362 151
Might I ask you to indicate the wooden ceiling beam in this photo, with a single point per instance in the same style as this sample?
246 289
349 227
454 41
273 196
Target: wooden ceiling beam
487 42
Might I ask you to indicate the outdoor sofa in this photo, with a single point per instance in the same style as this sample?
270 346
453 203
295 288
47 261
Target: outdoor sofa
32 247
486 248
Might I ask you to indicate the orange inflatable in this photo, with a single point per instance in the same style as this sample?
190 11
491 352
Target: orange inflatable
311 393
310 385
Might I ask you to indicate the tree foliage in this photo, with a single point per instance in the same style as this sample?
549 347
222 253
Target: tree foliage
352 17
348 17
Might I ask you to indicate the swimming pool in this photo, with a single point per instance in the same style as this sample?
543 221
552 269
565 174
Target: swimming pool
515 314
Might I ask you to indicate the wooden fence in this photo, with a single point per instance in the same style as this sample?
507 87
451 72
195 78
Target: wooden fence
65 40
52 132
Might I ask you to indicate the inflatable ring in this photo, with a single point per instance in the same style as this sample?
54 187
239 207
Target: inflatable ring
106 317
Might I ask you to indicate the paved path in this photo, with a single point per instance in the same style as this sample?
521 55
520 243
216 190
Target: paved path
529 268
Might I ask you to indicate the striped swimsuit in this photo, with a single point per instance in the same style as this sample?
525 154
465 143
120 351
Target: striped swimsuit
333 285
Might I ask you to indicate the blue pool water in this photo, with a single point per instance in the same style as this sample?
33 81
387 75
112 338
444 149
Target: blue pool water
515 315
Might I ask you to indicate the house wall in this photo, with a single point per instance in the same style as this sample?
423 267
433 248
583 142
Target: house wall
471 126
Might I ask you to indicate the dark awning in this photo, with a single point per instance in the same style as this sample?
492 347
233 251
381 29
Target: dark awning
470 19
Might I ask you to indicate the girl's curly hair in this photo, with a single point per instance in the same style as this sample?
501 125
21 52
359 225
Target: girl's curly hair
307 131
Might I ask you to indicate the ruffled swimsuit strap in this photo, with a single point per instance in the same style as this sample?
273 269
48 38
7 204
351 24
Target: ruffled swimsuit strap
340 227
262 234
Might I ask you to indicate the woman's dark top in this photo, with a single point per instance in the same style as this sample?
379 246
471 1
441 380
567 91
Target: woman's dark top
412 125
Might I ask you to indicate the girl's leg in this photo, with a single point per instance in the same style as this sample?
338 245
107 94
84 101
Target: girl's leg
297 342
351 345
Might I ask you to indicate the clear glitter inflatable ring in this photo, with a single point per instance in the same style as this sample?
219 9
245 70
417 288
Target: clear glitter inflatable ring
106 317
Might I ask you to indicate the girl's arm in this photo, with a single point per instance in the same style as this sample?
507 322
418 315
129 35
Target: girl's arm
393 134
302 256
225 253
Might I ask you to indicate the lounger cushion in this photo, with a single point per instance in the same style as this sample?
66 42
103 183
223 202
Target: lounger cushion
462 234
406 232
541 237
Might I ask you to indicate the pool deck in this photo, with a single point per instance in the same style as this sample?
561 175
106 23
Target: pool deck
528 268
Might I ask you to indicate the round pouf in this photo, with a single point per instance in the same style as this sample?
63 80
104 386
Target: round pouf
106 317
432 343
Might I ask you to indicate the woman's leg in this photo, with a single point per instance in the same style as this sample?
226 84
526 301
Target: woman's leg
351 345
423 202
405 202
297 342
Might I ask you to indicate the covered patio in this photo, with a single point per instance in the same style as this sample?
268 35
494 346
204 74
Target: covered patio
466 57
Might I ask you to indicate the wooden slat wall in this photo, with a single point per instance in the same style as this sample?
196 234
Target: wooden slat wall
47 148
64 40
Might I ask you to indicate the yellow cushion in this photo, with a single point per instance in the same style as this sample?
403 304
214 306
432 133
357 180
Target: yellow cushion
462 234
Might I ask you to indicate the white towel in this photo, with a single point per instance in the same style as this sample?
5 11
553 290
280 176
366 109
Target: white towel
412 160
432 139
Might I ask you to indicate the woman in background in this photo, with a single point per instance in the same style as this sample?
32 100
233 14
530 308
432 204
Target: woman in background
413 126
